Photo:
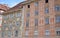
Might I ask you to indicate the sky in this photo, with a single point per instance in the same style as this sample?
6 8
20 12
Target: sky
10 3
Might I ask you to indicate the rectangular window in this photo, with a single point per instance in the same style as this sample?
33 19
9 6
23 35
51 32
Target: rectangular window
58 33
36 32
46 1
36 3
27 23
3 34
11 15
57 19
16 33
57 8
28 6
46 10
28 14
17 23
18 14
9 34
36 12
47 32
10 26
5 17
46 20
27 32
36 22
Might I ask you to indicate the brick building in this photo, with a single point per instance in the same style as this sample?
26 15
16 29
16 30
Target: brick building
39 19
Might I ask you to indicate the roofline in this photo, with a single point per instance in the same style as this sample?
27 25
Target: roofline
18 6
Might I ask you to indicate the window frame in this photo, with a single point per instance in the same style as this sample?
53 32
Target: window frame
47 32
36 22
47 20
57 19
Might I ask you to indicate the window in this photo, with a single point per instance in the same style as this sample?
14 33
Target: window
36 12
9 34
28 6
27 32
46 1
27 23
10 26
58 33
5 17
28 14
16 33
36 3
18 14
47 32
46 10
3 34
36 32
4 26
17 23
46 20
36 22
57 8
57 19
11 15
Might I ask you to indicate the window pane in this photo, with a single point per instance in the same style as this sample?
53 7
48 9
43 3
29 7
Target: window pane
47 32
18 14
11 16
46 20
57 8
46 10
36 22
57 19
27 23
36 32
5 17
17 23
58 31
10 26
27 33
28 14
9 34
36 3
3 34
36 12
16 33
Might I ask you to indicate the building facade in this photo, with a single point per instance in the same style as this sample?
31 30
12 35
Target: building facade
3 8
42 19
32 19
11 21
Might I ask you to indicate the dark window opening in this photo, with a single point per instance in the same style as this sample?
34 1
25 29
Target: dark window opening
58 33
28 6
46 1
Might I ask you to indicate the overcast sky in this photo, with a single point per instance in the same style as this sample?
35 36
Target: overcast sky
10 3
